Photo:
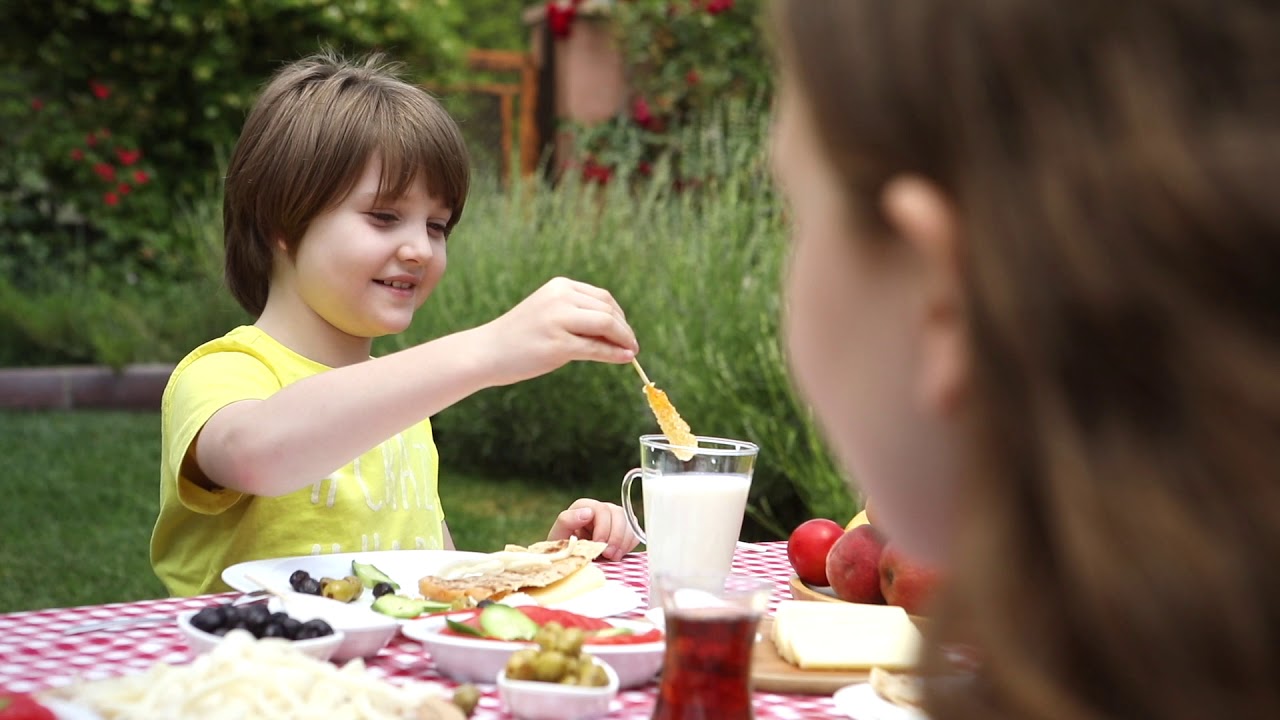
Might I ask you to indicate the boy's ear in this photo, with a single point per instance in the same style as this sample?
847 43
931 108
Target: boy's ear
920 215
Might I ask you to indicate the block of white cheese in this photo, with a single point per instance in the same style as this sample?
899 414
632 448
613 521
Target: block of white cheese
845 636
579 582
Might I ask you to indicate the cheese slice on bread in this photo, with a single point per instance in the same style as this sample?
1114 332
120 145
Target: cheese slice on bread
845 636
516 568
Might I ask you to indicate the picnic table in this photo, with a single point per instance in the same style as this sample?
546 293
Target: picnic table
37 654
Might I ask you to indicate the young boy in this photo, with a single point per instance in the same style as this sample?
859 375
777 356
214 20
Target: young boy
285 437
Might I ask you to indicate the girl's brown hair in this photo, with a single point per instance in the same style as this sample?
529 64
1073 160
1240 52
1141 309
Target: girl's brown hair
1114 165
304 145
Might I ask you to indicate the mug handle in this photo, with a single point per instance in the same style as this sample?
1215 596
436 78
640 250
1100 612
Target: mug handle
627 479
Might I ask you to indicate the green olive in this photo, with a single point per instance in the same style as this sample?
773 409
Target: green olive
595 677
341 590
466 697
550 666
571 640
520 664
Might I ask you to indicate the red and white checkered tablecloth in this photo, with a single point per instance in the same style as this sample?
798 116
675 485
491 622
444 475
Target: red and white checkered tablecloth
36 654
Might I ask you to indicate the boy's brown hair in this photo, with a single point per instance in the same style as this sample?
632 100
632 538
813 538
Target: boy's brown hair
1114 167
304 145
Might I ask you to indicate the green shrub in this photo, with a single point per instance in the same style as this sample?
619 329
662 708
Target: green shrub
113 110
698 274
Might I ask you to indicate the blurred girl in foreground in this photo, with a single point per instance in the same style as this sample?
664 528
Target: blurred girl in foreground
1034 301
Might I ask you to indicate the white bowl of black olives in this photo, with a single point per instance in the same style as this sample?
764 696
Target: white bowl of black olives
207 627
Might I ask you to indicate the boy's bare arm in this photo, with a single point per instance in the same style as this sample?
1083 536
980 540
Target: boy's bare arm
311 428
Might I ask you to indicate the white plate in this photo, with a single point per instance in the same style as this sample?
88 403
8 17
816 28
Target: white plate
406 567
862 702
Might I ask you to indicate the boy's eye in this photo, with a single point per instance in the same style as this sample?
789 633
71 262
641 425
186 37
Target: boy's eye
437 228
385 218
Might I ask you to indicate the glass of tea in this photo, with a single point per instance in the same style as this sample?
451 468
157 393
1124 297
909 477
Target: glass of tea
711 631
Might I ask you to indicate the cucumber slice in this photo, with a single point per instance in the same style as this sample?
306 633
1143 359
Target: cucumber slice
612 632
399 606
370 575
507 623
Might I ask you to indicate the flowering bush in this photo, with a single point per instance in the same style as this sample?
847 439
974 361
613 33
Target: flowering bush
76 190
170 86
684 56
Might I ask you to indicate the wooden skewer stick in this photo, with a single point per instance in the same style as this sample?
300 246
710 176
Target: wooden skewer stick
636 364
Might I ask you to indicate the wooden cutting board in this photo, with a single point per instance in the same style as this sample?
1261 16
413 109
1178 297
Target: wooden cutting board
770 673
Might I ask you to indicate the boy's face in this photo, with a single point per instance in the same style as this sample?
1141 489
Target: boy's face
851 325
365 266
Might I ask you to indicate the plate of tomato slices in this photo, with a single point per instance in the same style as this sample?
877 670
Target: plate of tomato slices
474 646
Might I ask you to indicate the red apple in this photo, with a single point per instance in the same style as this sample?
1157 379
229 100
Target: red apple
853 565
906 582
808 547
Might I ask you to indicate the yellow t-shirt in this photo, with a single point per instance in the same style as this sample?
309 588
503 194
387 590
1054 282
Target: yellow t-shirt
386 499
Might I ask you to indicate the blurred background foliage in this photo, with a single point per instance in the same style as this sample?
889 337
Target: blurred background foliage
116 117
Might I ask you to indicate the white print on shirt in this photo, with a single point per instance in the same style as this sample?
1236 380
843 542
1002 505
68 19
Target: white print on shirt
419 543
333 488
400 479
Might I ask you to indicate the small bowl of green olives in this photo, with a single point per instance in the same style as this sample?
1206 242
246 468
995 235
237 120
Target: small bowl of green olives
586 688
205 628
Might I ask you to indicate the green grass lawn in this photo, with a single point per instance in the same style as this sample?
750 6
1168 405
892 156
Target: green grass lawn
81 496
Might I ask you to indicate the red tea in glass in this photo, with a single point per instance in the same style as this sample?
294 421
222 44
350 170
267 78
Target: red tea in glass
707 671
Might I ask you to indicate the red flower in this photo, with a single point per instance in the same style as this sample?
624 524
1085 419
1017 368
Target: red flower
111 198
593 171
37 104
128 157
715 7
124 189
644 168
692 77
641 113
100 91
141 177
560 17
106 171
77 154
90 140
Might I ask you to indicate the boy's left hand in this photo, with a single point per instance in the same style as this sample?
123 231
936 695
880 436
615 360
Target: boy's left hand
599 521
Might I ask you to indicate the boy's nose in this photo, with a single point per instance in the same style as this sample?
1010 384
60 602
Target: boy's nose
416 247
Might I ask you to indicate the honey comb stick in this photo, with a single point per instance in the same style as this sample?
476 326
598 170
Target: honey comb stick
673 426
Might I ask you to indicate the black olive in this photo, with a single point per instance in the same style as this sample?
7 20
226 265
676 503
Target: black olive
485 603
207 619
272 629
297 579
255 615
291 627
310 586
382 588
278 618
313 629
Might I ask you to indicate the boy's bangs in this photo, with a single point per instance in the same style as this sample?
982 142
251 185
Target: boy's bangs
417 139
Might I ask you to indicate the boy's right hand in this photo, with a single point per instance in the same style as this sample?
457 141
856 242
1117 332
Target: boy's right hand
564 320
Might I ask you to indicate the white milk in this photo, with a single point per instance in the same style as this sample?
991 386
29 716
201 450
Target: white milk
692 522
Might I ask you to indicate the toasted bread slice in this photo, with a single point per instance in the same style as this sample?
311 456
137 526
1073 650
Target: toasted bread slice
514 568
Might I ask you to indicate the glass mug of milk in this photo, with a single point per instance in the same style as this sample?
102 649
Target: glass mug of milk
693 508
